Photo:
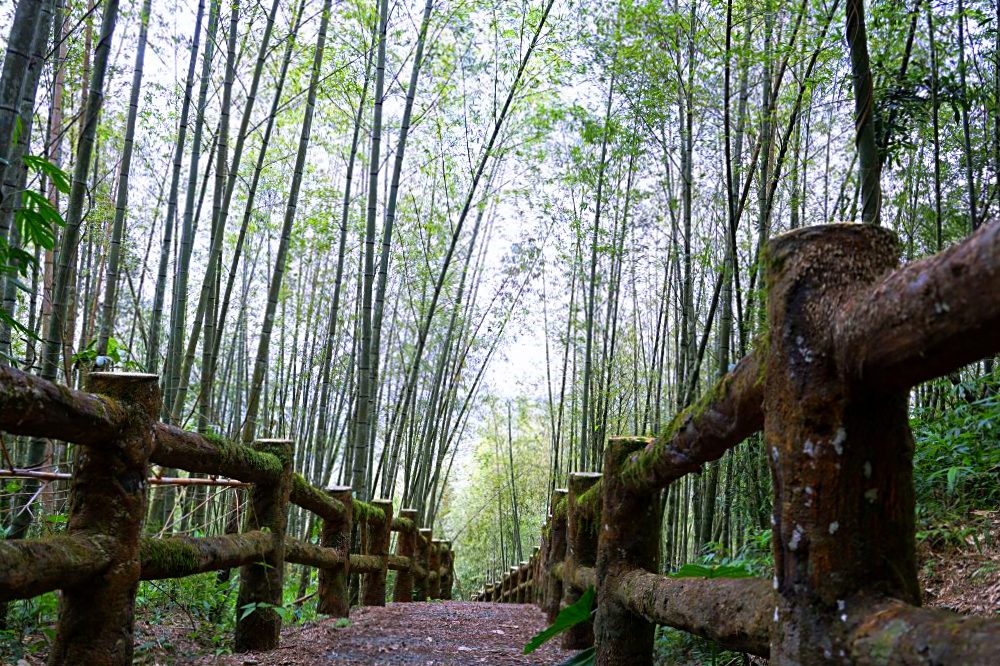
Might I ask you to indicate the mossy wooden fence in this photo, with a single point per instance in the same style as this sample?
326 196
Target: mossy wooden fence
849 334
101 557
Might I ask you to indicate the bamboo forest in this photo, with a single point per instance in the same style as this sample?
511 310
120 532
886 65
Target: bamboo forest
612 332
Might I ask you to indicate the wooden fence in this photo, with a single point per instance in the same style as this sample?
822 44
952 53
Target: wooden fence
849 333
100 559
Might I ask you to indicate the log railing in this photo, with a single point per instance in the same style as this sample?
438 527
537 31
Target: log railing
849 333
99 560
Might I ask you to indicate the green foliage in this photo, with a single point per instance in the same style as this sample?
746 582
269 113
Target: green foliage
957 457
674 647
956 462
36 220
754 558
114 357
568 617
29 628
286 614
478 512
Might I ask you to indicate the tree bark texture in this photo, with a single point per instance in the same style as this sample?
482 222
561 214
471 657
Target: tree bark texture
262 582
333 591
555 555
180 556
840 451
406 544
379 535
581 551
108 497
629 528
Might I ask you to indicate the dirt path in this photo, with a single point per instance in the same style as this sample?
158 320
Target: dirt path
437 633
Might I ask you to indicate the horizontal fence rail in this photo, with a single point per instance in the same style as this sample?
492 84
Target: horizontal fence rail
99 560
849 333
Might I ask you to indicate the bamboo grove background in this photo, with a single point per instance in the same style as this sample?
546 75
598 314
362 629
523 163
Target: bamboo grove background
449 247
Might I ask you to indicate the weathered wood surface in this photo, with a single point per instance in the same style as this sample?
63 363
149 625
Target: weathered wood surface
29 567
926 319
95 614
311 498
262 582
180 556
737 613
188 450
35 407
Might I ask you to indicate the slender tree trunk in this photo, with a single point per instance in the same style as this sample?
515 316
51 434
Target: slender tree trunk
970 177
274 288
390 214
864 115
27 16
121 200
153 348
935 109
362 418
71 236
178 312
586 415
210 289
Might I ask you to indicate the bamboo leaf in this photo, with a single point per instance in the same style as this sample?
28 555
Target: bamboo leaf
568 617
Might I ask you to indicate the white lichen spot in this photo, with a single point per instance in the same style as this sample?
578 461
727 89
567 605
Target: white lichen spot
834 526
827 654
809 490
809 448
774 583
796 539
843 617
871 495
838 441
774 521
941 308
774 453
841 604
775 613
868 470
803 350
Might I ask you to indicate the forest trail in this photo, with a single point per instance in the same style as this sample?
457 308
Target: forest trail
442 633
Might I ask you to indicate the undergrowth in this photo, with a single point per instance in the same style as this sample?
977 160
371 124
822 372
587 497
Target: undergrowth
956 464
199 609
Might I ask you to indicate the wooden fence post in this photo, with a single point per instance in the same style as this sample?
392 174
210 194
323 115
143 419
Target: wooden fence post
449 565
108 496
630 539
581 551
536 567
422 583
406 546
553 583
334 596
379 538
524 577
434 570
840 454
261 583
511 594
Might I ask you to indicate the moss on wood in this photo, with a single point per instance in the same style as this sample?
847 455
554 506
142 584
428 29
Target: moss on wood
169 555
365 512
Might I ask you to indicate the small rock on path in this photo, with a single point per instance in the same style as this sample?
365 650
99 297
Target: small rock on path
440 633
